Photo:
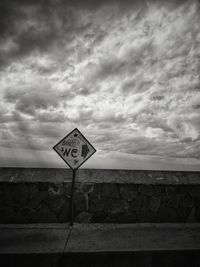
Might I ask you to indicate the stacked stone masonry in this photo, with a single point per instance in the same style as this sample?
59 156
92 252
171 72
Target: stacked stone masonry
43 200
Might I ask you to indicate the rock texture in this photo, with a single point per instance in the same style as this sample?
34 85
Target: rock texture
23 201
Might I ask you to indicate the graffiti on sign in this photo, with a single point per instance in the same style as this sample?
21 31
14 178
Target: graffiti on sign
74 149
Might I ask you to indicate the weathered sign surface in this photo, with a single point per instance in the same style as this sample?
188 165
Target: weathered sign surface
74 149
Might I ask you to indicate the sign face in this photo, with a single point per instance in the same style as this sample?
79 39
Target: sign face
74 149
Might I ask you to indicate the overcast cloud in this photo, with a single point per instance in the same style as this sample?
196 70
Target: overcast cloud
126 73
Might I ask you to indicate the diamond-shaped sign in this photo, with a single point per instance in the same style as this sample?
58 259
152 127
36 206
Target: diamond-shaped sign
74 149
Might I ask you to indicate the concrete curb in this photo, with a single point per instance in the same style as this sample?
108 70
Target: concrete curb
96 238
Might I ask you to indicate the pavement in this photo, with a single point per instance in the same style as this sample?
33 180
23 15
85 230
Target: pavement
95 238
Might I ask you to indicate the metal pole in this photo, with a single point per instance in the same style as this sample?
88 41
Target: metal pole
72 197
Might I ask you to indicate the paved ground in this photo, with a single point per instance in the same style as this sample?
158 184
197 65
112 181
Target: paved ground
33 238
133 237
100 245
87 238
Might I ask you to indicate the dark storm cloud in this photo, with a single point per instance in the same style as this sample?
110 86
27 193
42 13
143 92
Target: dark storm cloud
26 26
29 100
28 133
33 25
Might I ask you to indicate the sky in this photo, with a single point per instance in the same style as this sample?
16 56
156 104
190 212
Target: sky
125 73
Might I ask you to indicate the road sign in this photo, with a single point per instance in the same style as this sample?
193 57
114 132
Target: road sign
74 149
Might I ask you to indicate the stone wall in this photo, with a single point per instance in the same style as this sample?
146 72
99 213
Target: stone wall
43 195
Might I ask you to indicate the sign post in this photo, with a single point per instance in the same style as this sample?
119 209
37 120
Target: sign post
72 197
74 149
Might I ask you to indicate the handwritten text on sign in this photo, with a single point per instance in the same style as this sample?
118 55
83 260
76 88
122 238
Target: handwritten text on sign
74 149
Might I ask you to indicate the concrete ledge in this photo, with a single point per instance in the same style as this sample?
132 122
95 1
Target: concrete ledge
98 238
98 176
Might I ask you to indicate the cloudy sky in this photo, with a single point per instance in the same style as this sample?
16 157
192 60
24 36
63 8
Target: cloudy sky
125 73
